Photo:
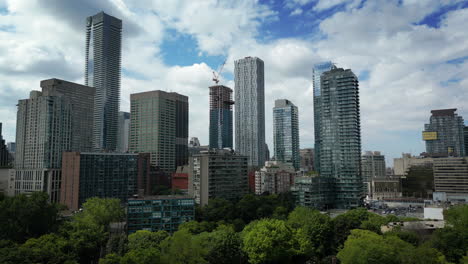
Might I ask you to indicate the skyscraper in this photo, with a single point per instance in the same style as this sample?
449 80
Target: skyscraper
220 117
307 159
286 133
317 71
444 134
102 71
339 135
159 125
81 99
122 133
4 153
43 133
249 91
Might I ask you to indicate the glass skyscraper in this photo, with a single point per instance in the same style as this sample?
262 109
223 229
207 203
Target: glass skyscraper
102 71
220 117
286 133
444 134
249 91
339 134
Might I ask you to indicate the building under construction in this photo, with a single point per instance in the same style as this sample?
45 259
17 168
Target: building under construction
220 117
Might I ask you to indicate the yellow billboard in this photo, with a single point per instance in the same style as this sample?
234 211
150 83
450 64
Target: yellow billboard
429 135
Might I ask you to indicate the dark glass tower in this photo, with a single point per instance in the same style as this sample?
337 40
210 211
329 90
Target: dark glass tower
103 63
444 134
286 132
220 117
339 140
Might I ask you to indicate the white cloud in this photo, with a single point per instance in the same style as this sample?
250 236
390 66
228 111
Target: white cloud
296 12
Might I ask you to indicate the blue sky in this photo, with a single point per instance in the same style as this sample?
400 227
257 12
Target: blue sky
410 56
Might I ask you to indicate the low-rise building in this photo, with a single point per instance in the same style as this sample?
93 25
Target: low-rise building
314 191
385 187
180 179
218 173
402 165
275 177
451 178
155 213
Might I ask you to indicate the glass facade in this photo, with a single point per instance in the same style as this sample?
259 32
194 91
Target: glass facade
444 134
220 117
286 133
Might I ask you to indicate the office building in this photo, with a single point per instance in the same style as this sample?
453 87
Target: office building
314 192
339 135
418 181
317 72
402 165
307 159
81 99
249 91
218 173
102 71
444 134
451 177
465 135
221 117
154 213
275 177
104 175
11 146
385 187
180 179
372 166
194 142
286 132
122 133
43 132
267 152
159 125
5 157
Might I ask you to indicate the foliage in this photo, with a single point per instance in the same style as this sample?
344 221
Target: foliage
195 227
101 211
451 243
223 244
23 217
182 248
269 240
142 256
145 239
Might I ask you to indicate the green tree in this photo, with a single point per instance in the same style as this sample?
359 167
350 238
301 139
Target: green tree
182 248
195 227
344 223
101 211
218 209
49 248
111 258
269 240
452 243
145 239
223 244
142 256
23 217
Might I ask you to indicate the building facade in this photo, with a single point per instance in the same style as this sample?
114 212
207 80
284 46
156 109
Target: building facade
249 78
159 125
286 132
104 175
385 187
218 174
122 133
154 213
43 132
5 157
221 117
317 72
444 134
180 179
11 146
314 192
451 177
275 177
372 166
339 140
307 159
102 71
402 165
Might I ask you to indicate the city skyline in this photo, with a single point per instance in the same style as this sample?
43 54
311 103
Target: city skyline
386 80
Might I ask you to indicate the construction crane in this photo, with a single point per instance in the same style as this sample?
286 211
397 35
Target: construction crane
216 75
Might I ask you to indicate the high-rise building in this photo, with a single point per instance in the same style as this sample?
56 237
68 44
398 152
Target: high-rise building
159 125
267 152
286 132
444 134
313 191
104 175
5 158
451 177
81 98
43 132
465 134
339 136
372 166
218 173
102 71
307 159
122 133
249 91
11 146
317 72
220 117
275 177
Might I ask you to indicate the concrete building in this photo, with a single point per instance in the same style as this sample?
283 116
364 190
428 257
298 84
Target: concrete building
275 177
385 187
286 132
339 135
105 175
402 165
81 99
249 78
372 166
307 159
5 157
418 181
122 132
465 135
218 174
314 192
102 71
221 117
154 213
267 152
43 132
159 125
444 134
7 178
180 179
11 146
451 177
